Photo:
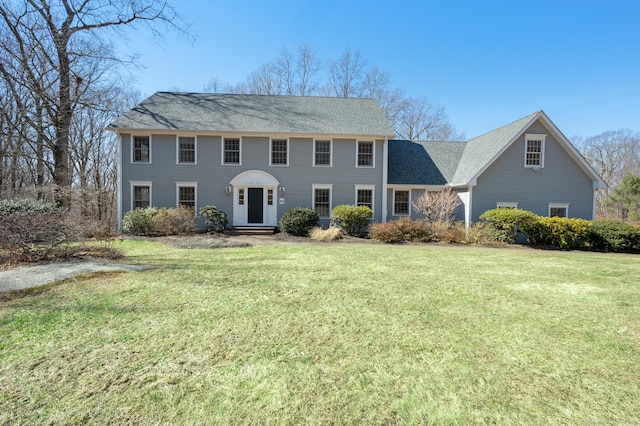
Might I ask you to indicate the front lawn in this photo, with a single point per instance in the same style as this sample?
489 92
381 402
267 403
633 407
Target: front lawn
333 333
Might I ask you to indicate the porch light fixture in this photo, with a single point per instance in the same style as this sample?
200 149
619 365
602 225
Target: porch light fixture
228 189
281 190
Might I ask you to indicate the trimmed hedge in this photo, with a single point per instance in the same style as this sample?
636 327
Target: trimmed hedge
614 236
505 223
352 220
299 221
561 232
158 221
401 230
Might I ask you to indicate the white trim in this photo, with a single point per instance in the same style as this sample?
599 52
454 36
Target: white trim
394 203
195 150
385 177
222 139
371 188
271 152
373 153
330 152
195 193
558 206
313 197
119 179
542 137
232 134
507 205
131 142
133 183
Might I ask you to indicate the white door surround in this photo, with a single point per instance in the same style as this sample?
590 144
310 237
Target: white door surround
254 179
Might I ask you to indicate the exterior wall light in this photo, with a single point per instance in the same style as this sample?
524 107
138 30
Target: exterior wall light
281 190
228 189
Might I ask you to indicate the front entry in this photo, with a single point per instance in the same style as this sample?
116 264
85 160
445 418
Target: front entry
254 199
255 207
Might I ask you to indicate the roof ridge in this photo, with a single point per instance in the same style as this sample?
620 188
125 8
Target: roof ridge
261 95
506 125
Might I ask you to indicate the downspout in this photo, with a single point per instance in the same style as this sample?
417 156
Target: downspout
385 175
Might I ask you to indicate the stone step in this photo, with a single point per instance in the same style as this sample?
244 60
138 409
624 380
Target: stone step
253 230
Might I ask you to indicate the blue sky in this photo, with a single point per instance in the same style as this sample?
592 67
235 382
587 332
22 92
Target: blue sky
487 62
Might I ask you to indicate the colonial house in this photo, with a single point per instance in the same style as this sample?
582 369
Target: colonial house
256 156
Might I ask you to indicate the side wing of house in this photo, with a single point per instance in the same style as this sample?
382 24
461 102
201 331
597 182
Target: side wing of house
538 170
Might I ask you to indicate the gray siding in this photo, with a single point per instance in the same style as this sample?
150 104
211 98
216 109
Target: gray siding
212 177
559 181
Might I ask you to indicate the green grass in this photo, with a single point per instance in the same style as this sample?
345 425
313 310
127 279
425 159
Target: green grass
334 333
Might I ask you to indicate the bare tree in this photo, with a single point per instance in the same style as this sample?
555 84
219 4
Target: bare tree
347 74
307 68
614 155
419 119
62 34
438 206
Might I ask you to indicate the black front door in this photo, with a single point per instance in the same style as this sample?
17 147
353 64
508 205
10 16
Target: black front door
255 206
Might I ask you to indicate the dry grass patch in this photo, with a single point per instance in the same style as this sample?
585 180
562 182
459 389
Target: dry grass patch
330 234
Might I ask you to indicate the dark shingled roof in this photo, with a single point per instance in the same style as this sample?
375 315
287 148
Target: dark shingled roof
256 114
423 163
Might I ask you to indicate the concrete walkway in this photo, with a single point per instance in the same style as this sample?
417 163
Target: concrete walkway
34 276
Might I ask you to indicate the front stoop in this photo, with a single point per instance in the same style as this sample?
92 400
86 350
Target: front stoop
253 230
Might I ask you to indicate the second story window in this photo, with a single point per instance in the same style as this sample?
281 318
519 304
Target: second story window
365 154
141 149
186 150
231 151
534 151
322 153
279 152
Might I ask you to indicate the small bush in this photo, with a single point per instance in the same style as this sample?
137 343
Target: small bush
477 233
613 235
180 220
38 236
331 234
352 220
505 223
299 221
214 219
26 206
139 221
401 230
560 232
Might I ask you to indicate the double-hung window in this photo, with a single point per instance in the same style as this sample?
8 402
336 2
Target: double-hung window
365 154
141 149
186 150
279 152
364 195
140 195
534 151
186 195
322 200
322 153
231 151
401 202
